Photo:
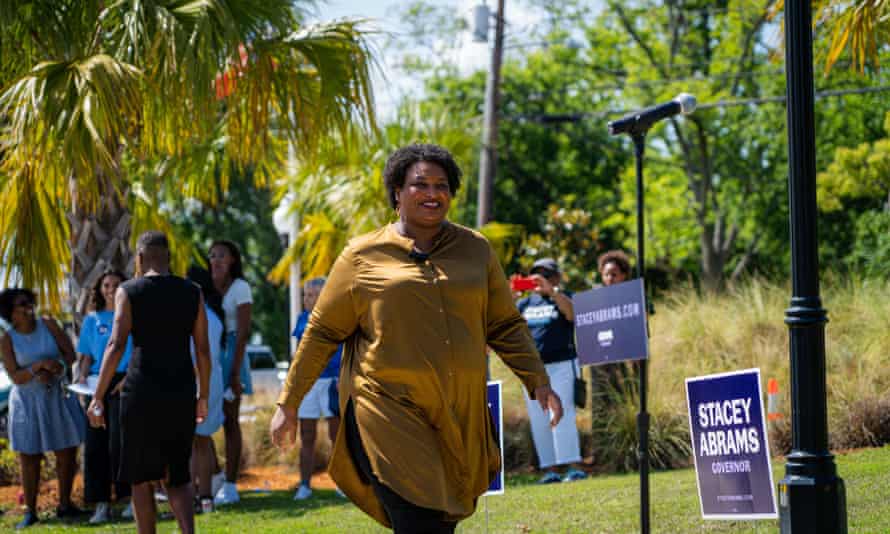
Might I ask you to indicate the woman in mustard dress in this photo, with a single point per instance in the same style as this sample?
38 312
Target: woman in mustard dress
416 303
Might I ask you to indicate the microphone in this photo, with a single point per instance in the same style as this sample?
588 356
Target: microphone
640 121
418 256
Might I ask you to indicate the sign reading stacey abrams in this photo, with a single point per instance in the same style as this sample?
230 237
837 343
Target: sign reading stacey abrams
610 323
728 430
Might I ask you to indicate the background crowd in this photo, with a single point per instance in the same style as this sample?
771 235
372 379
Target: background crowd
45 416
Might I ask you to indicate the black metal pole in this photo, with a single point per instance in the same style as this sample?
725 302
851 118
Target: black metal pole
811 496
639 140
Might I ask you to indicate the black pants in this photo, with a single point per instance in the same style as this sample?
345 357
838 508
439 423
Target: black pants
405 517
102 453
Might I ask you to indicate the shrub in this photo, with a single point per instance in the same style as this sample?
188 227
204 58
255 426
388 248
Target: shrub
867 424
779 436
615 435
9 464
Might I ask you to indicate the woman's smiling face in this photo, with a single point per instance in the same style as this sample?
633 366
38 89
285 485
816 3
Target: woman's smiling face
108 288
425 197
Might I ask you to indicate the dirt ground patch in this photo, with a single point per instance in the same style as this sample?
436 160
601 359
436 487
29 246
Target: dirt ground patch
272 478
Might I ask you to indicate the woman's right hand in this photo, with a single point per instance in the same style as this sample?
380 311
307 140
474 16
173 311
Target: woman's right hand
284 427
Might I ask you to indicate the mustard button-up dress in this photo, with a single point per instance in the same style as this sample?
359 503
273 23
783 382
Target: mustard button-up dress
414 365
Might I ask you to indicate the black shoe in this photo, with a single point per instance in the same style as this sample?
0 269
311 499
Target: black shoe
29 519
70 512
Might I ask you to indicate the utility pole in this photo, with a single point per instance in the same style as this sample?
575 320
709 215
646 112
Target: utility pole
811 496
488 155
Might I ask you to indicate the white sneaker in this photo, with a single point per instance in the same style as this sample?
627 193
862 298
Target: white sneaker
101 515
216 482
128 512
228 494
303 493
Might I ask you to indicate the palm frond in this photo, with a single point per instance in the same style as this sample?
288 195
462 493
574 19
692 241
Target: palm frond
306 85
504 238
147 215
33 235
69 118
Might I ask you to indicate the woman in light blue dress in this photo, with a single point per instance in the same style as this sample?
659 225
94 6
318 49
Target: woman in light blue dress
43 416
204 463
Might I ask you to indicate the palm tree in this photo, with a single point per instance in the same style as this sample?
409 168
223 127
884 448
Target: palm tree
108 106
340 194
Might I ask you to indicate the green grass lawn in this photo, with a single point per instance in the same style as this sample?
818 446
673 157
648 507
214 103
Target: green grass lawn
601 504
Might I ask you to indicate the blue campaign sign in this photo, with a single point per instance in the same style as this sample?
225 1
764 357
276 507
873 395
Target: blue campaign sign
495 406
610 323
729 440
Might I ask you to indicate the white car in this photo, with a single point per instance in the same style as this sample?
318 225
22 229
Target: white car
266 372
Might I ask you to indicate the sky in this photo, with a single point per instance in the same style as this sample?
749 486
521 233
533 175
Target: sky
384 16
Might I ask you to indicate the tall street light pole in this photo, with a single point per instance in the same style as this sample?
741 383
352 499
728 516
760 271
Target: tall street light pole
811 496
488 155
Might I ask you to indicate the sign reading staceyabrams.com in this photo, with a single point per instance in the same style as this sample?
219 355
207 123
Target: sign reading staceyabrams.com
610 323
729 440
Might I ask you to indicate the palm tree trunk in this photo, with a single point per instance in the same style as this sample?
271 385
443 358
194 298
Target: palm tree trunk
99 241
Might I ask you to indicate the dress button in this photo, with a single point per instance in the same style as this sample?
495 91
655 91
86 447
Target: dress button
448 342
441 310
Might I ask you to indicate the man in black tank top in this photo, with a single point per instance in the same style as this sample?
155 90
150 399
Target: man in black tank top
160 402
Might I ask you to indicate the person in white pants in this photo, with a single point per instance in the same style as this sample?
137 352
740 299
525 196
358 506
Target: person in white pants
550 316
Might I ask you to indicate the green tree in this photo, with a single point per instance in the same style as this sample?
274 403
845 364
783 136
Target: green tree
106 108
243 215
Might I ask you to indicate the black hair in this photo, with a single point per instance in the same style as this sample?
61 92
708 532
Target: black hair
98 299
152 239
8 298
236 269
212 298
399 161
152 246
618 257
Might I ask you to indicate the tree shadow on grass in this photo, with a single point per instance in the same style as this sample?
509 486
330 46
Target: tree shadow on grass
258 506
280 504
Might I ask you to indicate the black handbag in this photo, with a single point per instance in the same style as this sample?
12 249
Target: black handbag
580 389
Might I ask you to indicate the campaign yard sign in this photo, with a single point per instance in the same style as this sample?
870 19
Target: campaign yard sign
497 416
729 440
610 323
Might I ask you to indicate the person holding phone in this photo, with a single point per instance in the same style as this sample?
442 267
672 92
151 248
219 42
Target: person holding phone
550 316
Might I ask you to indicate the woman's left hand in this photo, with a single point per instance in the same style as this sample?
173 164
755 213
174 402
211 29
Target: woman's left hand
96 413
550 402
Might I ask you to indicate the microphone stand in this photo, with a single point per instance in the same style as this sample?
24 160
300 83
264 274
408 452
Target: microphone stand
639 140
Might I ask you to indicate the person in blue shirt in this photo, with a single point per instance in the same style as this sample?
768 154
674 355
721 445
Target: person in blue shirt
550 316
321 401
102 447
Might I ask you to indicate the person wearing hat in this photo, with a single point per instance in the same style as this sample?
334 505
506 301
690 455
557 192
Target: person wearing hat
550 316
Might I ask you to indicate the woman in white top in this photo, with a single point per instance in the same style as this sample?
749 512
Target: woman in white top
228 278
